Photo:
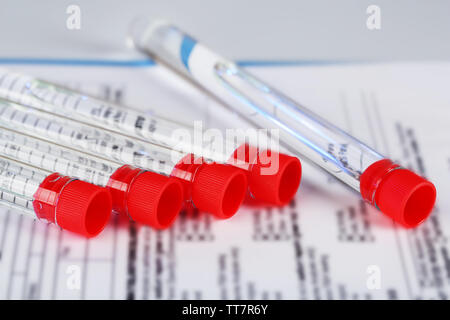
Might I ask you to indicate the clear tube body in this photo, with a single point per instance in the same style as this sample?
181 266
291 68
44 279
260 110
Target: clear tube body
100 142
301 131
95 141
18 185
42 95
146 128
56 158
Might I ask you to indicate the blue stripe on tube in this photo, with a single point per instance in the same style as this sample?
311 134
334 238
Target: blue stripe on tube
185 50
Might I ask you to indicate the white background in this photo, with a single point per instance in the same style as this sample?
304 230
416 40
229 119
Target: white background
250 29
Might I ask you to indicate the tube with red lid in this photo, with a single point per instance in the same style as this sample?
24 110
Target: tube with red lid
211 187
273 177
398 192
71 204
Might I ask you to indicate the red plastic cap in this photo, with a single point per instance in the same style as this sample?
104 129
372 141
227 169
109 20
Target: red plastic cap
154 199
399 193
119 185
275 177
83 208
272 177
219 189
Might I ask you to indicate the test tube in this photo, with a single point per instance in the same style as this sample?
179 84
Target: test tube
273 177
399 193
211 187
144 196
69 203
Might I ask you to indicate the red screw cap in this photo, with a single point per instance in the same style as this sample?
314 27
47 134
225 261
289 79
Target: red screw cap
73 205
272 177
154 199
146 197
219 189
83 208
399 193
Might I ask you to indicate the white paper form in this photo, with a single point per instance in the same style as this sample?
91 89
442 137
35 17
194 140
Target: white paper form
327 244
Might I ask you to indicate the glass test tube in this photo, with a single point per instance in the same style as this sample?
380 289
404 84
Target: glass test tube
144 196
272 177
400 193
215 188
71 204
